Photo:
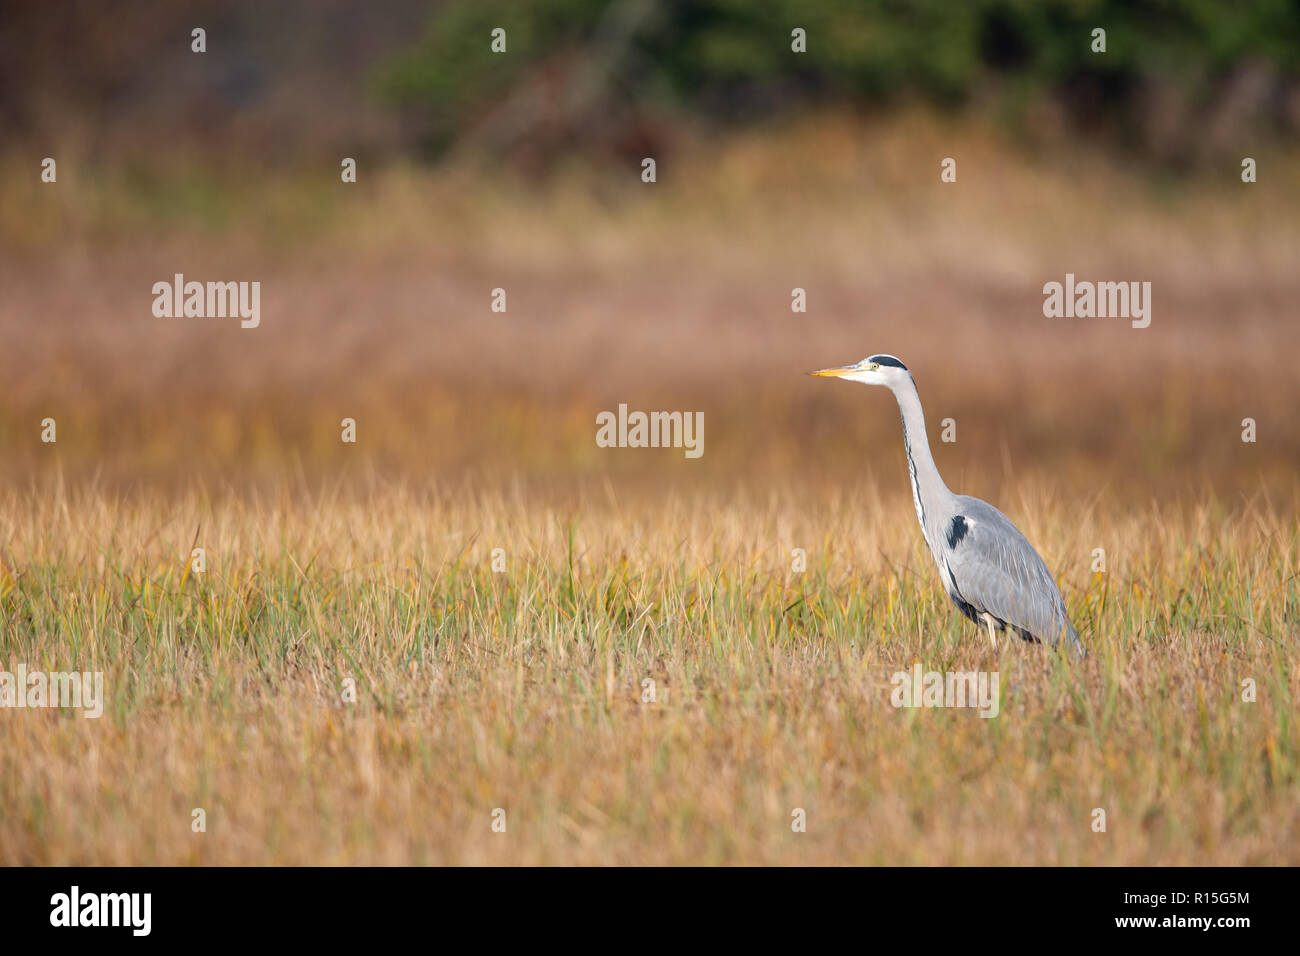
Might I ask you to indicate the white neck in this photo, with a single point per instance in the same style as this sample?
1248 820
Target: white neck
930 495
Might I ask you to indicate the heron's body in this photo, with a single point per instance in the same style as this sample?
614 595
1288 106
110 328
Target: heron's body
989 569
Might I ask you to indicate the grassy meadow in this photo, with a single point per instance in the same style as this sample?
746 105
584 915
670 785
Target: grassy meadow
524 688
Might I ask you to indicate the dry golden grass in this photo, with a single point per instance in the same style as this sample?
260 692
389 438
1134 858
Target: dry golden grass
522 690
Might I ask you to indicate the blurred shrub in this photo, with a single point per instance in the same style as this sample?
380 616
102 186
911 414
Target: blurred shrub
575 67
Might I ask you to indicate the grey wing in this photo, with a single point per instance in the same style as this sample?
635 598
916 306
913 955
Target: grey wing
996 569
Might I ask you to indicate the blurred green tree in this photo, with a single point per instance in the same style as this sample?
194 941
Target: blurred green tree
578 71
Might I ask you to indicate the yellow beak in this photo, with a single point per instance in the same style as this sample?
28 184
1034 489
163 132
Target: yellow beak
835 372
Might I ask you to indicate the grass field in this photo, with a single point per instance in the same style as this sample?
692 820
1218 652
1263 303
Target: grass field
523 689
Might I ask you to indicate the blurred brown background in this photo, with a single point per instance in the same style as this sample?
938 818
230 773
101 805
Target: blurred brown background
775 170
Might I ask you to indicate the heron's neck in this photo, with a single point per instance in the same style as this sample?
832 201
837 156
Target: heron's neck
929 493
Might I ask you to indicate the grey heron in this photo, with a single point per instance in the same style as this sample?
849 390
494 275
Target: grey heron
989 569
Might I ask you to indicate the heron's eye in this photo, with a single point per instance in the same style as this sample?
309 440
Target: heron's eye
874 366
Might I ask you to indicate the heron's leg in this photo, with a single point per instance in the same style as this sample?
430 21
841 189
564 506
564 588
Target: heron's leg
993 641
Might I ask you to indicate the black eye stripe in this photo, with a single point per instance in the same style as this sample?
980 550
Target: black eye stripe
887 360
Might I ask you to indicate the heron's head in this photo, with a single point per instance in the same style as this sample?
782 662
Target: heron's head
872 370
